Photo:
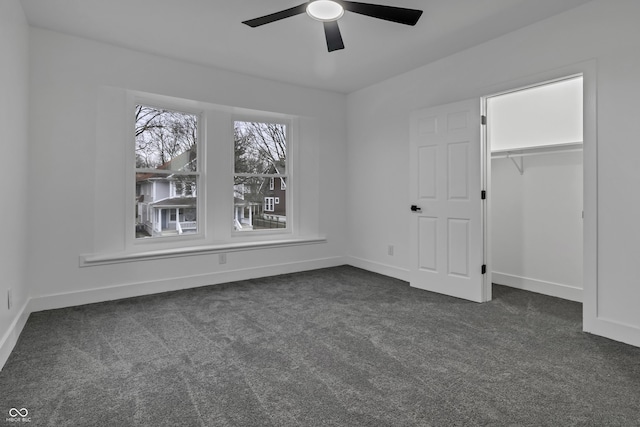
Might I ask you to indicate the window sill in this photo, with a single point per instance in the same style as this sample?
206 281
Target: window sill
117 258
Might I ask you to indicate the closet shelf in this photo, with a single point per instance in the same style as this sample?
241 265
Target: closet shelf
534 151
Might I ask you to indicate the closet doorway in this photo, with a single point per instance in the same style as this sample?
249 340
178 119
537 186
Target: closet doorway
534 139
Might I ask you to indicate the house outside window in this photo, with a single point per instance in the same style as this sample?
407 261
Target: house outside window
260 168
167 172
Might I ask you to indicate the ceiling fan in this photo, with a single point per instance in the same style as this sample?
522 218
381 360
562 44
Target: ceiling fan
329 11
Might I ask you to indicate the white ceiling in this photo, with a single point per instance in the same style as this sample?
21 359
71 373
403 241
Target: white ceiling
292 50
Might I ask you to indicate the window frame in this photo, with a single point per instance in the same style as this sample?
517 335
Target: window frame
114 199
214 189
290 124
179 106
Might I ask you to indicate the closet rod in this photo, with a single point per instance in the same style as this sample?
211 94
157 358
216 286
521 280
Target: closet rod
513 154
536 151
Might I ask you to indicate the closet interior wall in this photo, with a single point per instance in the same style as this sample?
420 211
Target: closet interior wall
537 222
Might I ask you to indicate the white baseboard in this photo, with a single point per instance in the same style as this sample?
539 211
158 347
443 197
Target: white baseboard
90 296
539 286
376 267
10 338
617 331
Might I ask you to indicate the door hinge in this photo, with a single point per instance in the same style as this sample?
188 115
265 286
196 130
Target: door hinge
484 268
483 194
483 120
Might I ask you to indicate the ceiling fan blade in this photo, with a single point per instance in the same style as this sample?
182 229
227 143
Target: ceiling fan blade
276 16
334 38
400 15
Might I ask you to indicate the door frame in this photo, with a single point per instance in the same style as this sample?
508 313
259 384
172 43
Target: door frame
590 176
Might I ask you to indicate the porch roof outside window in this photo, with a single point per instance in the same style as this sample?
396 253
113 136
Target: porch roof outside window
176 202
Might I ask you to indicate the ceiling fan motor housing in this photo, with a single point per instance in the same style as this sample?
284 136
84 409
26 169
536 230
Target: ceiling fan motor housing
325 10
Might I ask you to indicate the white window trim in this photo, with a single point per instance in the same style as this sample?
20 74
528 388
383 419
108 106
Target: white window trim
118 258
116 239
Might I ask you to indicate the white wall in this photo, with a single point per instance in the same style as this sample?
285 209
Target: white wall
69 76
603 30
550 114
537 224
14 72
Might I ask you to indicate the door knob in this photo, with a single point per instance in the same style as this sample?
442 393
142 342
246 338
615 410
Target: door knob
415 208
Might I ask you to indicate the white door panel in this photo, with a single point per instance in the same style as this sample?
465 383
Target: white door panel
446 227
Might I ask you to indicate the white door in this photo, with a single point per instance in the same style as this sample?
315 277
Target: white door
447 208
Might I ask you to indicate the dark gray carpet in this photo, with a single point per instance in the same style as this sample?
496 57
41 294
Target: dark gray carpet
339 346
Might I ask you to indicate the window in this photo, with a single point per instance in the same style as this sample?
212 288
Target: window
182 189
167 172
268 204
159 156
260 160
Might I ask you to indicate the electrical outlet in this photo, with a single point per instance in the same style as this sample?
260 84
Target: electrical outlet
9 299
390 250
222 258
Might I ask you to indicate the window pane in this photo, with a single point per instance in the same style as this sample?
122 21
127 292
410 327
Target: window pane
260 148
166 205
254 204
166 139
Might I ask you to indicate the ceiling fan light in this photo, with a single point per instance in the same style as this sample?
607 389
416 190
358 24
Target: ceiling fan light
325 10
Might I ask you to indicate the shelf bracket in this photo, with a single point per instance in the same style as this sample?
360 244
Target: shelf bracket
520 166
